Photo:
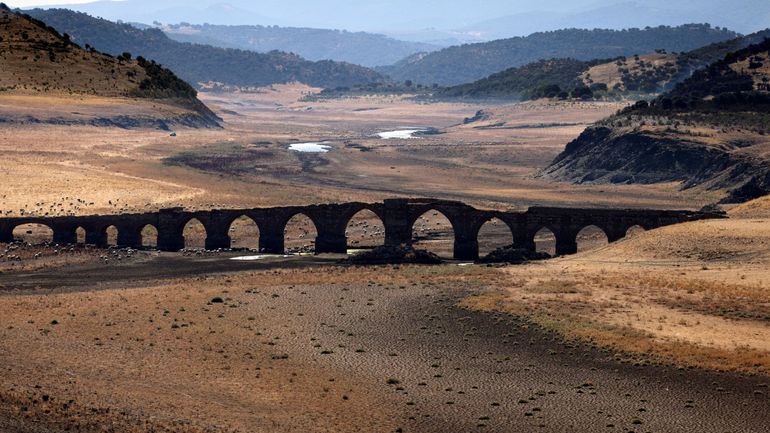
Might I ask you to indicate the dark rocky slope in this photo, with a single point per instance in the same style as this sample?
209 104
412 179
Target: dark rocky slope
606 155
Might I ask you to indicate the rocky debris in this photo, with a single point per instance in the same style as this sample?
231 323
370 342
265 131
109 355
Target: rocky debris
427 131
478 117
388 254
513 255
713 208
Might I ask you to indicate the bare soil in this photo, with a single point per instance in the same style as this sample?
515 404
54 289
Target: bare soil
330 349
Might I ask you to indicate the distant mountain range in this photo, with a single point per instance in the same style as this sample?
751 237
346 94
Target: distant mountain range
467 63
745 16
197 63
359 48
645 74
710 131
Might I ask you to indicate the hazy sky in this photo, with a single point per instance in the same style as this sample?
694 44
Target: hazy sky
30 3
489 18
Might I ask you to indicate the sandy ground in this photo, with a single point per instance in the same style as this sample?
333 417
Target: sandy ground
329 349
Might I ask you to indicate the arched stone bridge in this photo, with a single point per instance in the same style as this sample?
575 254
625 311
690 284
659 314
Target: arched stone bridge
331 221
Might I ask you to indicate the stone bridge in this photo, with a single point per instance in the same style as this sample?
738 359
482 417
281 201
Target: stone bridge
331 221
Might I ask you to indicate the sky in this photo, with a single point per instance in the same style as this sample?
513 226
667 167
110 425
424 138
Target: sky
32 3
487 19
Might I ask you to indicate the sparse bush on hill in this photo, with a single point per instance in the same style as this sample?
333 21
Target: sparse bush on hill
713 91
542 79
66 67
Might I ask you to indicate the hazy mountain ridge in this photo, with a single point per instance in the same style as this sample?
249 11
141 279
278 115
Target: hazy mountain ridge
37 60
201 63
710 131
467 63
366 49
750 17
646 74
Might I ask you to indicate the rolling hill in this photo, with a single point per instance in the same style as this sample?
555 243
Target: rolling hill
36 60
542 79
637 75
197 63
710 132
467 63
360 48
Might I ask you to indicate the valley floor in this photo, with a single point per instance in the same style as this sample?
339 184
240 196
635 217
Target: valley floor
490 163
661 331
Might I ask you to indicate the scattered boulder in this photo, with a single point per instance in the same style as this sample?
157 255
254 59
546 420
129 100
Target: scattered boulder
388 254
478 117
513 255
713 208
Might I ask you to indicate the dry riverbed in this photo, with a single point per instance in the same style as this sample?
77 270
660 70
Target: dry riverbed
331 349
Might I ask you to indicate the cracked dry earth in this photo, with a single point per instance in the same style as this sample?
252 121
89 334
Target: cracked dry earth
332 349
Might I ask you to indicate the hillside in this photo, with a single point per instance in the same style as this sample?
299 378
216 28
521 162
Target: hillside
710 131
541 79
625 76
197 63
36 60
467 63
360 48
661 71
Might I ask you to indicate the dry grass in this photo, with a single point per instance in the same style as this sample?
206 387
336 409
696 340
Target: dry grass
709 309
554 287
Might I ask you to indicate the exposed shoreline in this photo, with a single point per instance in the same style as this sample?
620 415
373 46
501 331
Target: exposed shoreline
368 327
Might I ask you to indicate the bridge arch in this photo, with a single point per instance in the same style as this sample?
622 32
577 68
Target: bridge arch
33 233
244 233
299 233
591 237
494 233
111 234
194 233
149 236
634 230
365 229
433 230
81 235
543 239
